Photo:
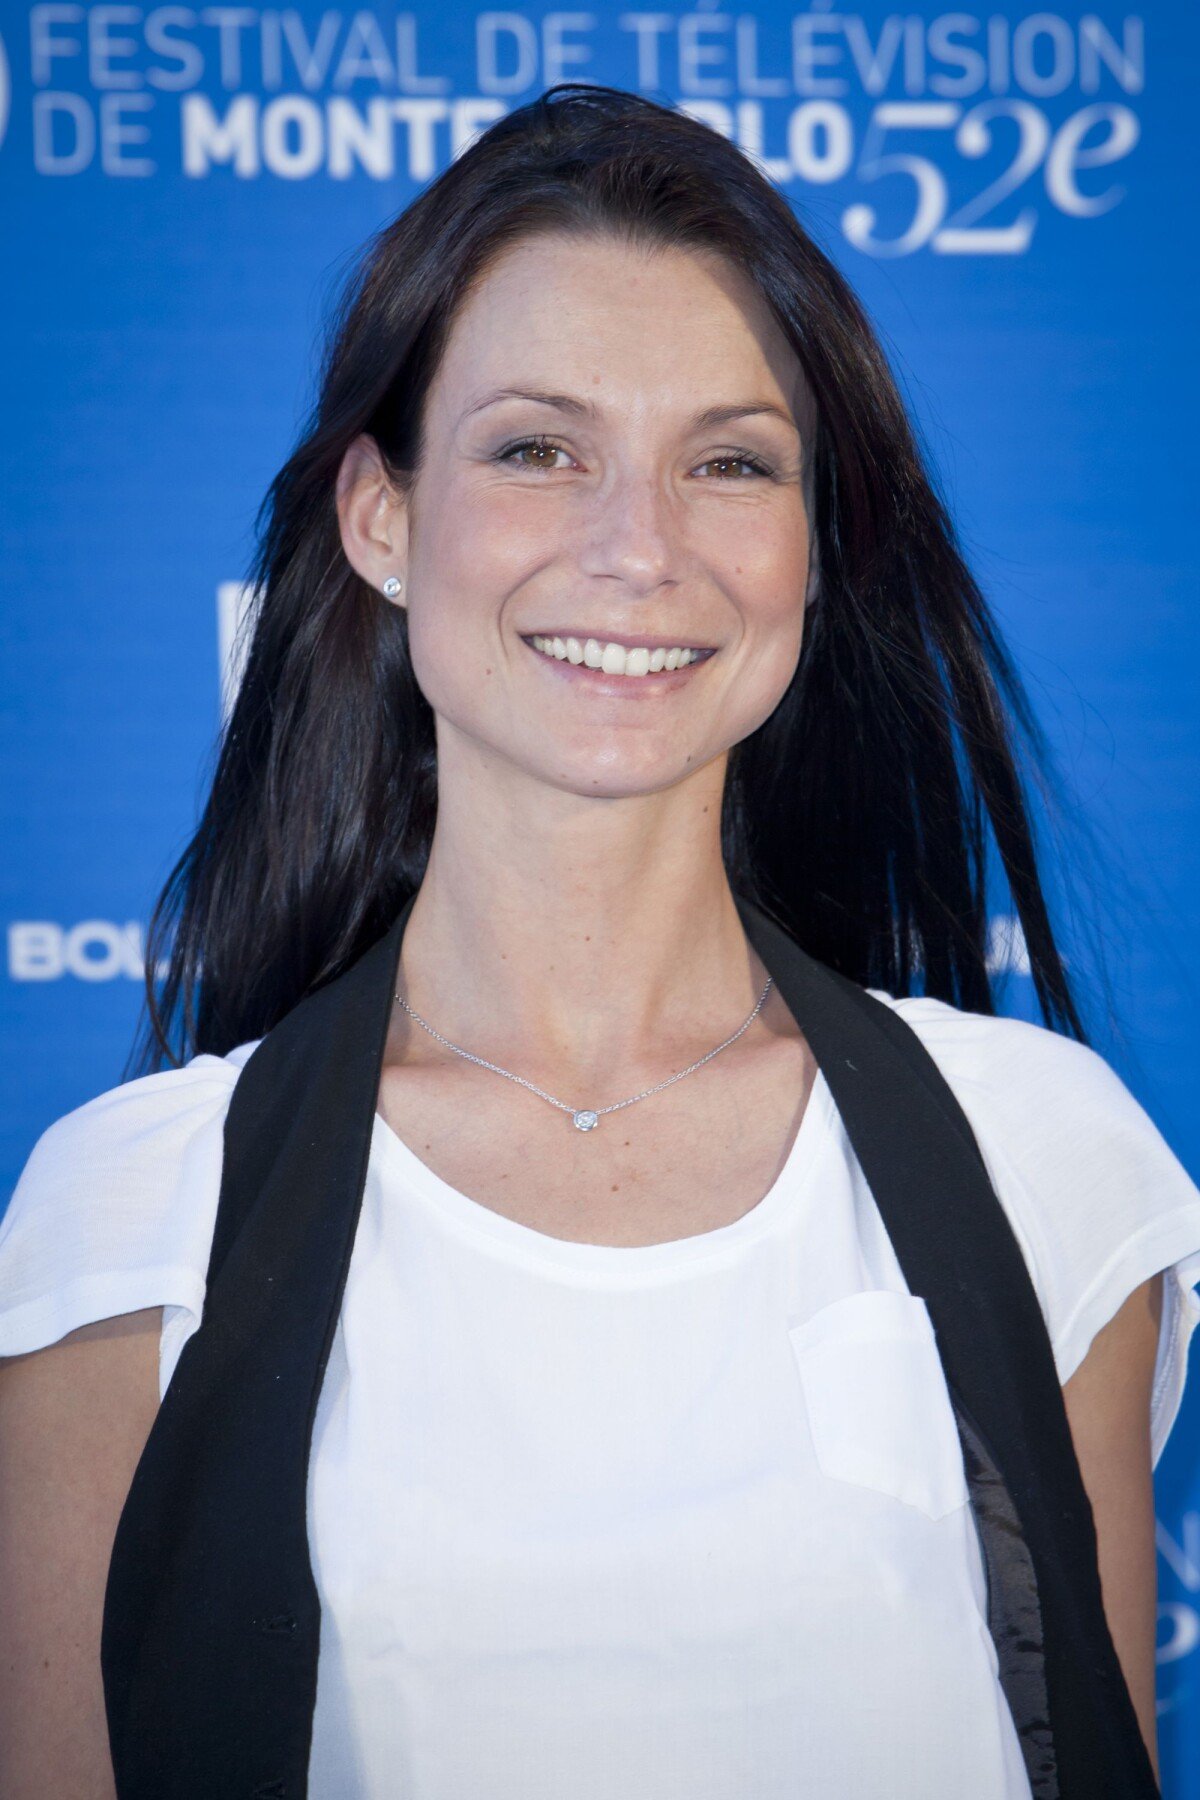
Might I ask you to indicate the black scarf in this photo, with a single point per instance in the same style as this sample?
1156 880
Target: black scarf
211 1614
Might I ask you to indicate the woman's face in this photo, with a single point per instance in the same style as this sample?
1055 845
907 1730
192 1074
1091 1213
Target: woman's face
631 519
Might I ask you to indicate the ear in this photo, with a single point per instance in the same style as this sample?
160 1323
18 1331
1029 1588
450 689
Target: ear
372 516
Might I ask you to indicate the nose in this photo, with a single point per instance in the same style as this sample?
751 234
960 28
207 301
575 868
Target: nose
634 533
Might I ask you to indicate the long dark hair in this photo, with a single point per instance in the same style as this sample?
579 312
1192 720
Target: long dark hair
864 813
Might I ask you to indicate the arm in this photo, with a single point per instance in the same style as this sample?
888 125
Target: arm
1108 1408
74 1419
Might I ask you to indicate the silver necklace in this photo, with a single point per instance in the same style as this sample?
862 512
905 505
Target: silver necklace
584 1118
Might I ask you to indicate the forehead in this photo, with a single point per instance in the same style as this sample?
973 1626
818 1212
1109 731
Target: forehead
640 330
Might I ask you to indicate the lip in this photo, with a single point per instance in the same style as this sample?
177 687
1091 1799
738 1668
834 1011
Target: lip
620 687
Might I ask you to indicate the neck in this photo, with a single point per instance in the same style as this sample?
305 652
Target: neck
598 938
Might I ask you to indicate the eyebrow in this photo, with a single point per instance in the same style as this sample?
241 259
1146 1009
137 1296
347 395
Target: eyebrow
585 409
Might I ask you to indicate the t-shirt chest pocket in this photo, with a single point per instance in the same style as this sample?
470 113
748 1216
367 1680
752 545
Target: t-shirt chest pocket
878 1406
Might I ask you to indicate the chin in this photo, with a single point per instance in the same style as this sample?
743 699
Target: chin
616 779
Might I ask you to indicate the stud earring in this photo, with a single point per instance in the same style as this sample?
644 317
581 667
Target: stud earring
392 586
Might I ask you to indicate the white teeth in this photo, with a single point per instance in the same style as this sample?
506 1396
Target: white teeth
615 659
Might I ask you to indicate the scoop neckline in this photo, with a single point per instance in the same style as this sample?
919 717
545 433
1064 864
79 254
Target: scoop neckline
527 1243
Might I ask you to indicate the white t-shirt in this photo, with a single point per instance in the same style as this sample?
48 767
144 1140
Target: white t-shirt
685 1521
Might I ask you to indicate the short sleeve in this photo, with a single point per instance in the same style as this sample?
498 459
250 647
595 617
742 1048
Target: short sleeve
115 1210
1097 1199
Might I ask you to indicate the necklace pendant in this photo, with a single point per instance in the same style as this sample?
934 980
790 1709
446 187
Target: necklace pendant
585 1121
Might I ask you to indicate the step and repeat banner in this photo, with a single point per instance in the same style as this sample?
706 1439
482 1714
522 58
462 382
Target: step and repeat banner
184 188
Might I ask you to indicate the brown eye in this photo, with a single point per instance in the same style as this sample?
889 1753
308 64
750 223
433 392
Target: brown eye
732 458
542 446
545 453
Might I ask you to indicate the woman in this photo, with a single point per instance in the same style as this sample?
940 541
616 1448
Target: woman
605 599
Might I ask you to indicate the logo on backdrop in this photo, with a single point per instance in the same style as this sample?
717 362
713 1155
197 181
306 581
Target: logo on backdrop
952 133
1178 1619
235 602
5 90
94 950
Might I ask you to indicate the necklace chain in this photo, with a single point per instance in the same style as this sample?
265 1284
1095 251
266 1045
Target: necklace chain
588 1117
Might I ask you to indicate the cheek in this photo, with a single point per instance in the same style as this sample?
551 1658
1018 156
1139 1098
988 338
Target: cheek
767 576
475 550
766 572
466 565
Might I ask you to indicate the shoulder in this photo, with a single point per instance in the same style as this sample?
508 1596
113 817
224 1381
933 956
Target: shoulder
1097 1199
1021 1080
115 1206
1050 1108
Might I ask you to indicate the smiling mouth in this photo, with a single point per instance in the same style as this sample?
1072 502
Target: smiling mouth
634 659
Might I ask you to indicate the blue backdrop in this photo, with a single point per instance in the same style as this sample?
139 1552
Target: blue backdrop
183 187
